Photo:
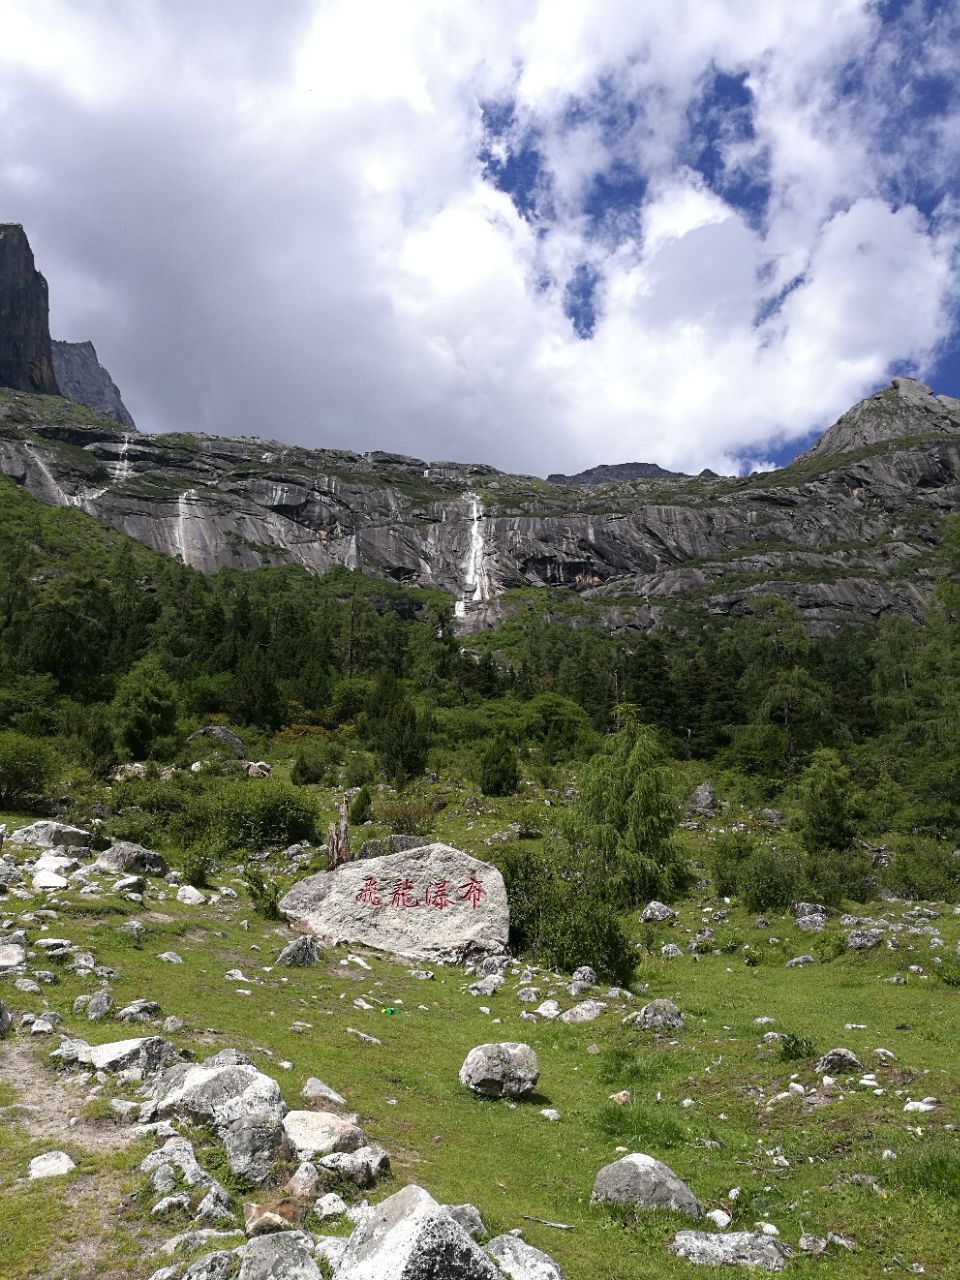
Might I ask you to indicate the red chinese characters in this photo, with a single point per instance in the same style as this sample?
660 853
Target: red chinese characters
437 896
369 894
471 892
403 894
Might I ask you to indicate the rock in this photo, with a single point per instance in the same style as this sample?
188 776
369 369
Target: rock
521 1261
585 1011
318 1133
330 1249
212 1266
801 909
6 1022
83 379
54 1164
259 1219
315 1090
244 1107
549 1009
364 1167
702 803
863 939
720 1218
47 881
772 817
190 896
26 360
99 1005
48 835
133 929
286 1256
658 1015
798 962
486 986
382 846
329 1206
837 1062
585 975
468 1216
170 957
139 1011
300 953
410 1237
147 1054
12 955
738 1248
656 913
133 859
223 737
642 1182
433 903
504 1070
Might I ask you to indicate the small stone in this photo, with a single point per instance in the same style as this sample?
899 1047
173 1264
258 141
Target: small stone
54 1164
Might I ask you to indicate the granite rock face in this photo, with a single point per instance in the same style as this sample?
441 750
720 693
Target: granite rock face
26 363
433 903
83 379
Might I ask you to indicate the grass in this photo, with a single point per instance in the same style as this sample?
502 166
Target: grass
508 1160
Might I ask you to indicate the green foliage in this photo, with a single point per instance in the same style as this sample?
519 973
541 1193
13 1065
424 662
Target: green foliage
727 859
625 817
361 807
248 815
933 1172
316 761
796 1048
407 815
28 767
641 1126
264 893
144 709
824 810
499 770
196 866
924 868
770 880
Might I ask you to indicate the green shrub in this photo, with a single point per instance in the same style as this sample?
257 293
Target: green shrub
264 894
196 865
28 767
640 1126
407 815
360 807
833 876
144 709
250 815
796 1048
358 770
769 880
499 770
825 808
726 861
925 869
316 761
948 971
829 946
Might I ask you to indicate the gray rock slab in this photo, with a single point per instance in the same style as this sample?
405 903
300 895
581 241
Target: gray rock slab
48 835
318 1133
433 903
504 1070
738 1249
521 1261
132 859
287 1255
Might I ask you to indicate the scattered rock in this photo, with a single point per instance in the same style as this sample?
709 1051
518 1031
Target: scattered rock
12 955
837 1062
133 859
363 1167
585 1011
739 1248
863 939
658 1015
468 1215
190 896
300 953
702 803
521 1261
641 1181
48 835
285 1256
504 1070
656 913
54 1164
318 1133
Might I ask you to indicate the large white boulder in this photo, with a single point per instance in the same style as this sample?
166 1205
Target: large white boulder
433 903
504 1070
409 1236
49 835
642 1182
318 1133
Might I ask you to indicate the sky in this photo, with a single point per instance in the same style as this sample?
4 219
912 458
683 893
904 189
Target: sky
542 234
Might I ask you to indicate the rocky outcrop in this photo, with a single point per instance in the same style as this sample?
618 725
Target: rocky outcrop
83 379
846 537
26 362
616 473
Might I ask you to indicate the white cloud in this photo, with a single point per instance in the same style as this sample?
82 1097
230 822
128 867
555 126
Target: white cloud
282 225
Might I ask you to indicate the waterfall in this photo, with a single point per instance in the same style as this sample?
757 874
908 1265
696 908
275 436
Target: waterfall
182 517
476 586
123 462
62 499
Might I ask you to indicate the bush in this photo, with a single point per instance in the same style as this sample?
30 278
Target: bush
316 760
727 860
825 809
360 807
144 709
831 877
562 918
196 864
407 816
28 767
769 880
925 869
250 815
796 1048
264 894
499 770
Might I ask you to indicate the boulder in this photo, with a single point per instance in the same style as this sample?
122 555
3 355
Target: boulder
642 1182
656 913
318 1133
48 835
146 1054
315 1090
837 1062
468 1215
218 1265
223 737
132 859
381 846
433 903
189 896
6 1022
286 1256
659 1015
243 1106
409 1236
702 803
739 1249
300 953
49 880
99 1005
585 1011
521 1261
505 1070
54 1164
863 939
12 955
364 1167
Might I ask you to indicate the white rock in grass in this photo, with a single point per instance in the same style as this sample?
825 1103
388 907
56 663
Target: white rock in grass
54 1164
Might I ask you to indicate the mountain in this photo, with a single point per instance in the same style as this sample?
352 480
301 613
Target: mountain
614 473
26 363
83 379
847 535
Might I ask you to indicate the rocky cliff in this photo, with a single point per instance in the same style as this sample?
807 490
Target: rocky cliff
83 379
847 536
25 358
